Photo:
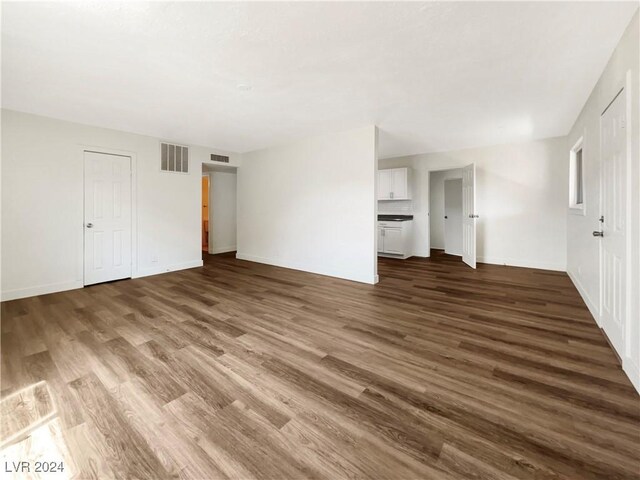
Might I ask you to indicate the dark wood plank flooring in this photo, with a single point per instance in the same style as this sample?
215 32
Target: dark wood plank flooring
239 370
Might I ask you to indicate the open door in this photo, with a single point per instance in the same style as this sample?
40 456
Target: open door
468 215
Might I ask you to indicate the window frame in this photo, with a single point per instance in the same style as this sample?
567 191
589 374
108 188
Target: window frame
577 208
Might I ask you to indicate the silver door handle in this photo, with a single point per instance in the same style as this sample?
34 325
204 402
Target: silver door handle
89 225
598 234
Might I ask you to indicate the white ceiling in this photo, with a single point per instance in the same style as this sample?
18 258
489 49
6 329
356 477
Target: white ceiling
432 76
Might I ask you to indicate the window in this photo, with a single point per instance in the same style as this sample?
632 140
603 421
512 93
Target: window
576 178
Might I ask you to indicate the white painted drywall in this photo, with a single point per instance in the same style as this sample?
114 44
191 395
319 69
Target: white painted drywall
453 214
582 247
521 196
436 204
310 205
222 211
42 204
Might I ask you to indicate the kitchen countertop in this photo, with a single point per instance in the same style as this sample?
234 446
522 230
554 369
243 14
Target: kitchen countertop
395 218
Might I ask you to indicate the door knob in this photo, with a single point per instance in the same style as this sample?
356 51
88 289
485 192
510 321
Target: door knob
89 225
445 217
598 234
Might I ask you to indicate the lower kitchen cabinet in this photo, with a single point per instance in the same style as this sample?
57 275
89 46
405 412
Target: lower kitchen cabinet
394 239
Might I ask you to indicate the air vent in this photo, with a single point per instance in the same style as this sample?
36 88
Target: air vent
174 158
219 158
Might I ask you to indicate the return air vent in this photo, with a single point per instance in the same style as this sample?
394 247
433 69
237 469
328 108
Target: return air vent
219 158
174 158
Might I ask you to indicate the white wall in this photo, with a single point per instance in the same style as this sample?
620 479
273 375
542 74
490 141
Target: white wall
317 210
222 212
42 204
436 205
582 247
521 198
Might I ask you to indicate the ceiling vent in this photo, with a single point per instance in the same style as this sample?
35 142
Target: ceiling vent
174 158
219 158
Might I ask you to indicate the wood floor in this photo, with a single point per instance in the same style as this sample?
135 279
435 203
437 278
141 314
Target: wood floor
240 370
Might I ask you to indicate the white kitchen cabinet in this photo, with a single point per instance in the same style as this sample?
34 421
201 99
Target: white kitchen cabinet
394 184
394 239
380 240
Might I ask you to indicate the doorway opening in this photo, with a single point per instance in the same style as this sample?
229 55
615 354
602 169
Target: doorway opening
445 212
205 212
218 209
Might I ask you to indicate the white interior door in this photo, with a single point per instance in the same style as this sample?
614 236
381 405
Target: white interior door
614 228
107 217
468 215
453 216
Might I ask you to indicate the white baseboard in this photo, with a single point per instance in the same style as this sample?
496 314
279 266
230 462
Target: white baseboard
40 290
319 270
633 372
628 366
167 268
585 296
514 262
222 250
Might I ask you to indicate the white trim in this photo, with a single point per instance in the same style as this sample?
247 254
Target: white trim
168 268
633 372
627 90
559 267
304 267
40 290
595 312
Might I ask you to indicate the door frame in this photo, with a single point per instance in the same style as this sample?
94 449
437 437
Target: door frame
624 86
445 211
428 199
134 207
209 209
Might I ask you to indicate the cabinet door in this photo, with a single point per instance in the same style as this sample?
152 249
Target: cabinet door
384 184
393 240
380 239
399 183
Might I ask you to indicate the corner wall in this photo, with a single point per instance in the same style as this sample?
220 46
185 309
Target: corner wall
311 205
583 250
43 197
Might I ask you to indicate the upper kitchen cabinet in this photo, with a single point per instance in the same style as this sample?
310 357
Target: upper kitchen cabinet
393 184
